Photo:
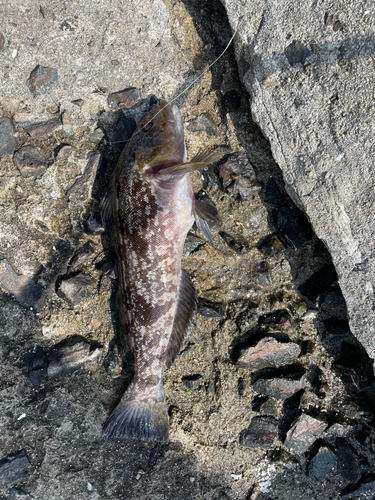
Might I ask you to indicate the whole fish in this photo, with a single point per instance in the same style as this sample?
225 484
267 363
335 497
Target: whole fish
152 208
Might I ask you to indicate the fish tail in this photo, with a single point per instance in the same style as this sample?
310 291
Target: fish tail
138 418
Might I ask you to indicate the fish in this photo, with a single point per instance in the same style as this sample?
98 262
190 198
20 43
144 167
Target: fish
151 209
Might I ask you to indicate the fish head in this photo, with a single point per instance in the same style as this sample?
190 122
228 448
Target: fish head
160 138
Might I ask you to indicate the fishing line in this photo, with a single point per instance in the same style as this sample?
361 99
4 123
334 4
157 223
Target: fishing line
241 20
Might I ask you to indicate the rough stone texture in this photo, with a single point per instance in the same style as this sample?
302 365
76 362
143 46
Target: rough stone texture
70 355
38 129
247 284
30 162
14 469
269 353
303 433
310 72
322 464
278 388
8 142
261 433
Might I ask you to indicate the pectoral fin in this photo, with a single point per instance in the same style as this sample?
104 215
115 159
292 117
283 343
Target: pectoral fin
206 211
200 160
203 226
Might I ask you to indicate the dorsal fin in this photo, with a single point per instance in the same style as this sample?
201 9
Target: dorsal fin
186 304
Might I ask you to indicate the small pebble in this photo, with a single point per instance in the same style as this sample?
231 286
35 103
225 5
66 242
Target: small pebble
41 80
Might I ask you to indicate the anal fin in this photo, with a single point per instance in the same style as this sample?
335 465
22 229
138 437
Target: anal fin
186 304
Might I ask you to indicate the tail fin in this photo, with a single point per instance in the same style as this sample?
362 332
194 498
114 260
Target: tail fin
139 419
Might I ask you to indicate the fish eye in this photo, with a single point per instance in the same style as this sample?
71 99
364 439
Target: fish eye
147 126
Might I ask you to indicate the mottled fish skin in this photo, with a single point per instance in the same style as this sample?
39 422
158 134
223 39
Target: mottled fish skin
153 209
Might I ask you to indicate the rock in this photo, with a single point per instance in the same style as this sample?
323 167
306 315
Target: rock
321 464
124 98
261 433
347 461
38 129
70 354
8 142
64 152
14 469
25 290
202 122
303 434
210 309
74 289
192 243
269 353
270 246
92 226
2 41
280 317
311 93
238 177
269 408
192 381
30 162
97 136
80 257
364 491
88 176
278 388
41 80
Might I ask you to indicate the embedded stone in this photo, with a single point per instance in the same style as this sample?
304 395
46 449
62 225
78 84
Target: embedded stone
30 162
41 80
14 469
41 128
124 98
269 352
303 433
70 354
322 464
8 142
262 433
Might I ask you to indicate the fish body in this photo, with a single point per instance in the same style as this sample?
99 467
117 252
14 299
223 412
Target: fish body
153 207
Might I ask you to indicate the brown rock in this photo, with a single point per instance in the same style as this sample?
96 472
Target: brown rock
41 128
303 433
30 162
124 98
41 79
270 353
278 388
2 41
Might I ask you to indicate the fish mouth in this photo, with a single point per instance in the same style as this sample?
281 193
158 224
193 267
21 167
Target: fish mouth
171 134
